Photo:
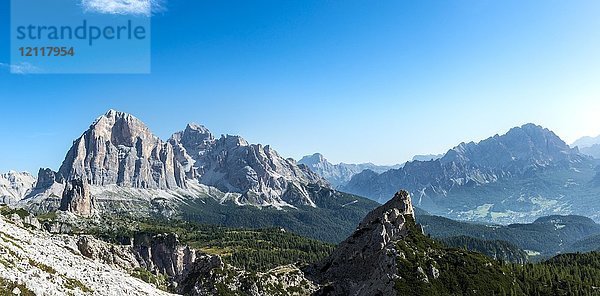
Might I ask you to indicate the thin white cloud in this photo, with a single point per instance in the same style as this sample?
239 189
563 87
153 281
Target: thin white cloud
21 68
124 7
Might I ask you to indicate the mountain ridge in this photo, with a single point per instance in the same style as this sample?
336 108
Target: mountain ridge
512 166
341 173
119 167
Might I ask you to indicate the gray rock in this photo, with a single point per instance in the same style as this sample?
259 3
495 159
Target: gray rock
364 264
231 164
119 149
119 256
77 198
46 177
342 173
164 254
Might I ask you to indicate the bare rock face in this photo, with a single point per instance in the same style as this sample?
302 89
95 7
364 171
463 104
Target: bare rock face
15 186
365 263
164 254
119 149
77 198
231 164
46 178
118 256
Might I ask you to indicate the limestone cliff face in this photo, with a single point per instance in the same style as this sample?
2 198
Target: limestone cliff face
365 263
15 186
119 149
164 254
46 178
77 198
231 164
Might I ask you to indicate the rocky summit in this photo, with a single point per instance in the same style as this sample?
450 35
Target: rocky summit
120 149
365 263
118 167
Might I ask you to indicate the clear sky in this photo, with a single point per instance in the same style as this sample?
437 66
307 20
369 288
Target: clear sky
359 81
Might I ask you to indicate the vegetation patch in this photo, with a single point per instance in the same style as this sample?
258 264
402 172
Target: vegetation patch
73 284
250 249
159 281
7 287
43 267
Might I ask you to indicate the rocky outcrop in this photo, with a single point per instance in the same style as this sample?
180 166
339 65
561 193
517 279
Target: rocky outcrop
118 256
41 263
77 198
365 263
164 254
119 149
46 178
191 272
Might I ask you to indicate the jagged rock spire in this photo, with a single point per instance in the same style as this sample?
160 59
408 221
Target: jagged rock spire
363 264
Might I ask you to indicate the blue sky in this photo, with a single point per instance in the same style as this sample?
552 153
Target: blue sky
356 80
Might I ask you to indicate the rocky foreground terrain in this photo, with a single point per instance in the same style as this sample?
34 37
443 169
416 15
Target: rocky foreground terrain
37 259
36 262
388 254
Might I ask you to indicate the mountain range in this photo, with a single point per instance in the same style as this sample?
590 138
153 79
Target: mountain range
14 186
589 146
340 174
118 166
516 177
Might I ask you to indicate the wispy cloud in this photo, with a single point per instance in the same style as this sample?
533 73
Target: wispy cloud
21 68
124 7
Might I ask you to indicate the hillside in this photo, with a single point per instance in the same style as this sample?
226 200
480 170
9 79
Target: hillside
545 237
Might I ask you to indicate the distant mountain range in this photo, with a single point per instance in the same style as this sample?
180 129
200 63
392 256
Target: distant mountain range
427 157
14 186
589 146
527 173
118 166
340 174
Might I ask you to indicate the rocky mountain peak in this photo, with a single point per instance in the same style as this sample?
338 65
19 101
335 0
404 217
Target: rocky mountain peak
364 263
121 128
339 174
231 164
396 207
194 135
314 159
120 149
520 147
